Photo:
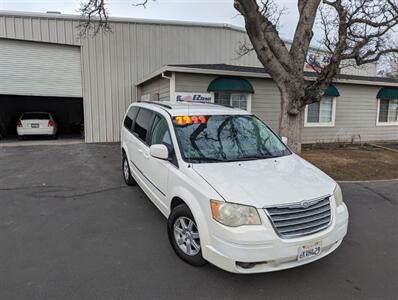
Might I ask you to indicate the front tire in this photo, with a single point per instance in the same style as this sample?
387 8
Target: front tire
126 172
184 236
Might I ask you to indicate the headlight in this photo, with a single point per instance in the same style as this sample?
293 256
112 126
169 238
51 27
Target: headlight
338 195
234 215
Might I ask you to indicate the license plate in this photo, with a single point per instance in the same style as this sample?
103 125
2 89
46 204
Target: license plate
308 251
34 125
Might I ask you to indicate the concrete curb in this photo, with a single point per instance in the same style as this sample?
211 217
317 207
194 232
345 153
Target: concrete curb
40 143
385 148
369 181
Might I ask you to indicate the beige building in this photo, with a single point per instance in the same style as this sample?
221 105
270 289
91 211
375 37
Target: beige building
355 108
46 66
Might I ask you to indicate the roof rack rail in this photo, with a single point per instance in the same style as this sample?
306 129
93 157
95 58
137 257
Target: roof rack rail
157 103
217 104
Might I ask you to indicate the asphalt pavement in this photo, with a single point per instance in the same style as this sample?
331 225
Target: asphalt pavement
71 229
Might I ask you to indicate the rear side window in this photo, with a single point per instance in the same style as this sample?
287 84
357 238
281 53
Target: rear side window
143 123
35 116
130 117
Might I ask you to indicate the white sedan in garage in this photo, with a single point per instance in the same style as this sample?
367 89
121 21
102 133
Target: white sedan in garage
36 123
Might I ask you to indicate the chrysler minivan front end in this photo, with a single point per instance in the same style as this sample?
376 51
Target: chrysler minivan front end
276 237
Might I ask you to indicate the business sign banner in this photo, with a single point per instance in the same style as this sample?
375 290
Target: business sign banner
316 62
193 97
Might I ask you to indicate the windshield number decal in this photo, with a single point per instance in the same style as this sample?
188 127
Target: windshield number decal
184 120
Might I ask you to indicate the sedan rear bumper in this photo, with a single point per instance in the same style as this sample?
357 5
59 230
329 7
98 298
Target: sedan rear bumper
36 131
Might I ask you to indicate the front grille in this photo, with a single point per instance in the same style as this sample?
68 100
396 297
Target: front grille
300 219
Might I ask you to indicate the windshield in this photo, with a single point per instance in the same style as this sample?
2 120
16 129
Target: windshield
220 138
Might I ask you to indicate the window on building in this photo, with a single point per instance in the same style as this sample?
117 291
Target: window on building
232 91
232 99
388 111
321 113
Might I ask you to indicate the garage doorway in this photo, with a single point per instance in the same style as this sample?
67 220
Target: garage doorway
40 77
67 113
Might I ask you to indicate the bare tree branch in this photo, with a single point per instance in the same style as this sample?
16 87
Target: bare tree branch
273 50
95 17
303 34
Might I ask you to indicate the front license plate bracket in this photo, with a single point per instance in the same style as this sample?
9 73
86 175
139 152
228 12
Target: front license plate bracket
308 251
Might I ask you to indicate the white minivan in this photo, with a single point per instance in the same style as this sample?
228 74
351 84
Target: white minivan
233 192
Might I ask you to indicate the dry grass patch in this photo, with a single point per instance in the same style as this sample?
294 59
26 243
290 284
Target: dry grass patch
343 162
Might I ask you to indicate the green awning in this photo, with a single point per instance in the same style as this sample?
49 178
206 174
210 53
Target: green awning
232 85
332 91
388 93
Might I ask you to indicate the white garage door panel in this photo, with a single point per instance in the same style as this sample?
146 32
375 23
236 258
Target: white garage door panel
39 69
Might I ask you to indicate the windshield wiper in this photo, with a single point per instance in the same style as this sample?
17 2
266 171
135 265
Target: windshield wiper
205 159
255 157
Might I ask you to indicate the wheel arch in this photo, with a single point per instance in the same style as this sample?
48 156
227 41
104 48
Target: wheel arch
183 196
175 202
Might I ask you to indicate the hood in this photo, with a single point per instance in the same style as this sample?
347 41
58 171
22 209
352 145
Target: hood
267 182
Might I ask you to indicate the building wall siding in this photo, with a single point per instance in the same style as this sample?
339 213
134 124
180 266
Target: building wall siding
159 86
356 115
356 110
61 31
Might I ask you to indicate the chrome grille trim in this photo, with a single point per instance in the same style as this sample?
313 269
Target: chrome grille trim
300 219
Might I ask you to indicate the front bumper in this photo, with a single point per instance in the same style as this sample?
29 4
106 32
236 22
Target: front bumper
262 246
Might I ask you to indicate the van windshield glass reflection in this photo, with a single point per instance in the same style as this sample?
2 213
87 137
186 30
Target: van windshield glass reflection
224 138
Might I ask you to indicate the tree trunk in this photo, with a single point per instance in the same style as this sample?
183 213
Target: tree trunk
291 126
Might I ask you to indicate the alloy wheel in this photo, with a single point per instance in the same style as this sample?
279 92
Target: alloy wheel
187 236
126 169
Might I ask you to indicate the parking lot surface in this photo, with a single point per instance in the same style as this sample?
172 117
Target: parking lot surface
71 229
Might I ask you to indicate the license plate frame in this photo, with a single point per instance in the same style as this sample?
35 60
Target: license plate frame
34 125
306 252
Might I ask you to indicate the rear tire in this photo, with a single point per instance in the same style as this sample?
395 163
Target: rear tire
184 236
21 137
126 171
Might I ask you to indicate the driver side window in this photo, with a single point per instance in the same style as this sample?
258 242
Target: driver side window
160 134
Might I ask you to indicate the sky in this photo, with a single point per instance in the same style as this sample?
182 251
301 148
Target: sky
220 11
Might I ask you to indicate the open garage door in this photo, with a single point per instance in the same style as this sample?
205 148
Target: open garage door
40 77
67 112
39 69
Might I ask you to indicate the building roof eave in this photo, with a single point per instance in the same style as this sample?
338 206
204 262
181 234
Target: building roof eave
256 72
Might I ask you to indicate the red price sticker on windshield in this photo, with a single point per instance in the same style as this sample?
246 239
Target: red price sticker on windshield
185 120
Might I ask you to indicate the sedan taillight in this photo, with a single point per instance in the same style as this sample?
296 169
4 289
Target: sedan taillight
19 123
51 123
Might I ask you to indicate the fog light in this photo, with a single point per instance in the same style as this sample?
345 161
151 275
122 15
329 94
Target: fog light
246 265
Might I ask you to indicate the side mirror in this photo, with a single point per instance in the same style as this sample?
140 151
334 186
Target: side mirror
159 151
285 140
